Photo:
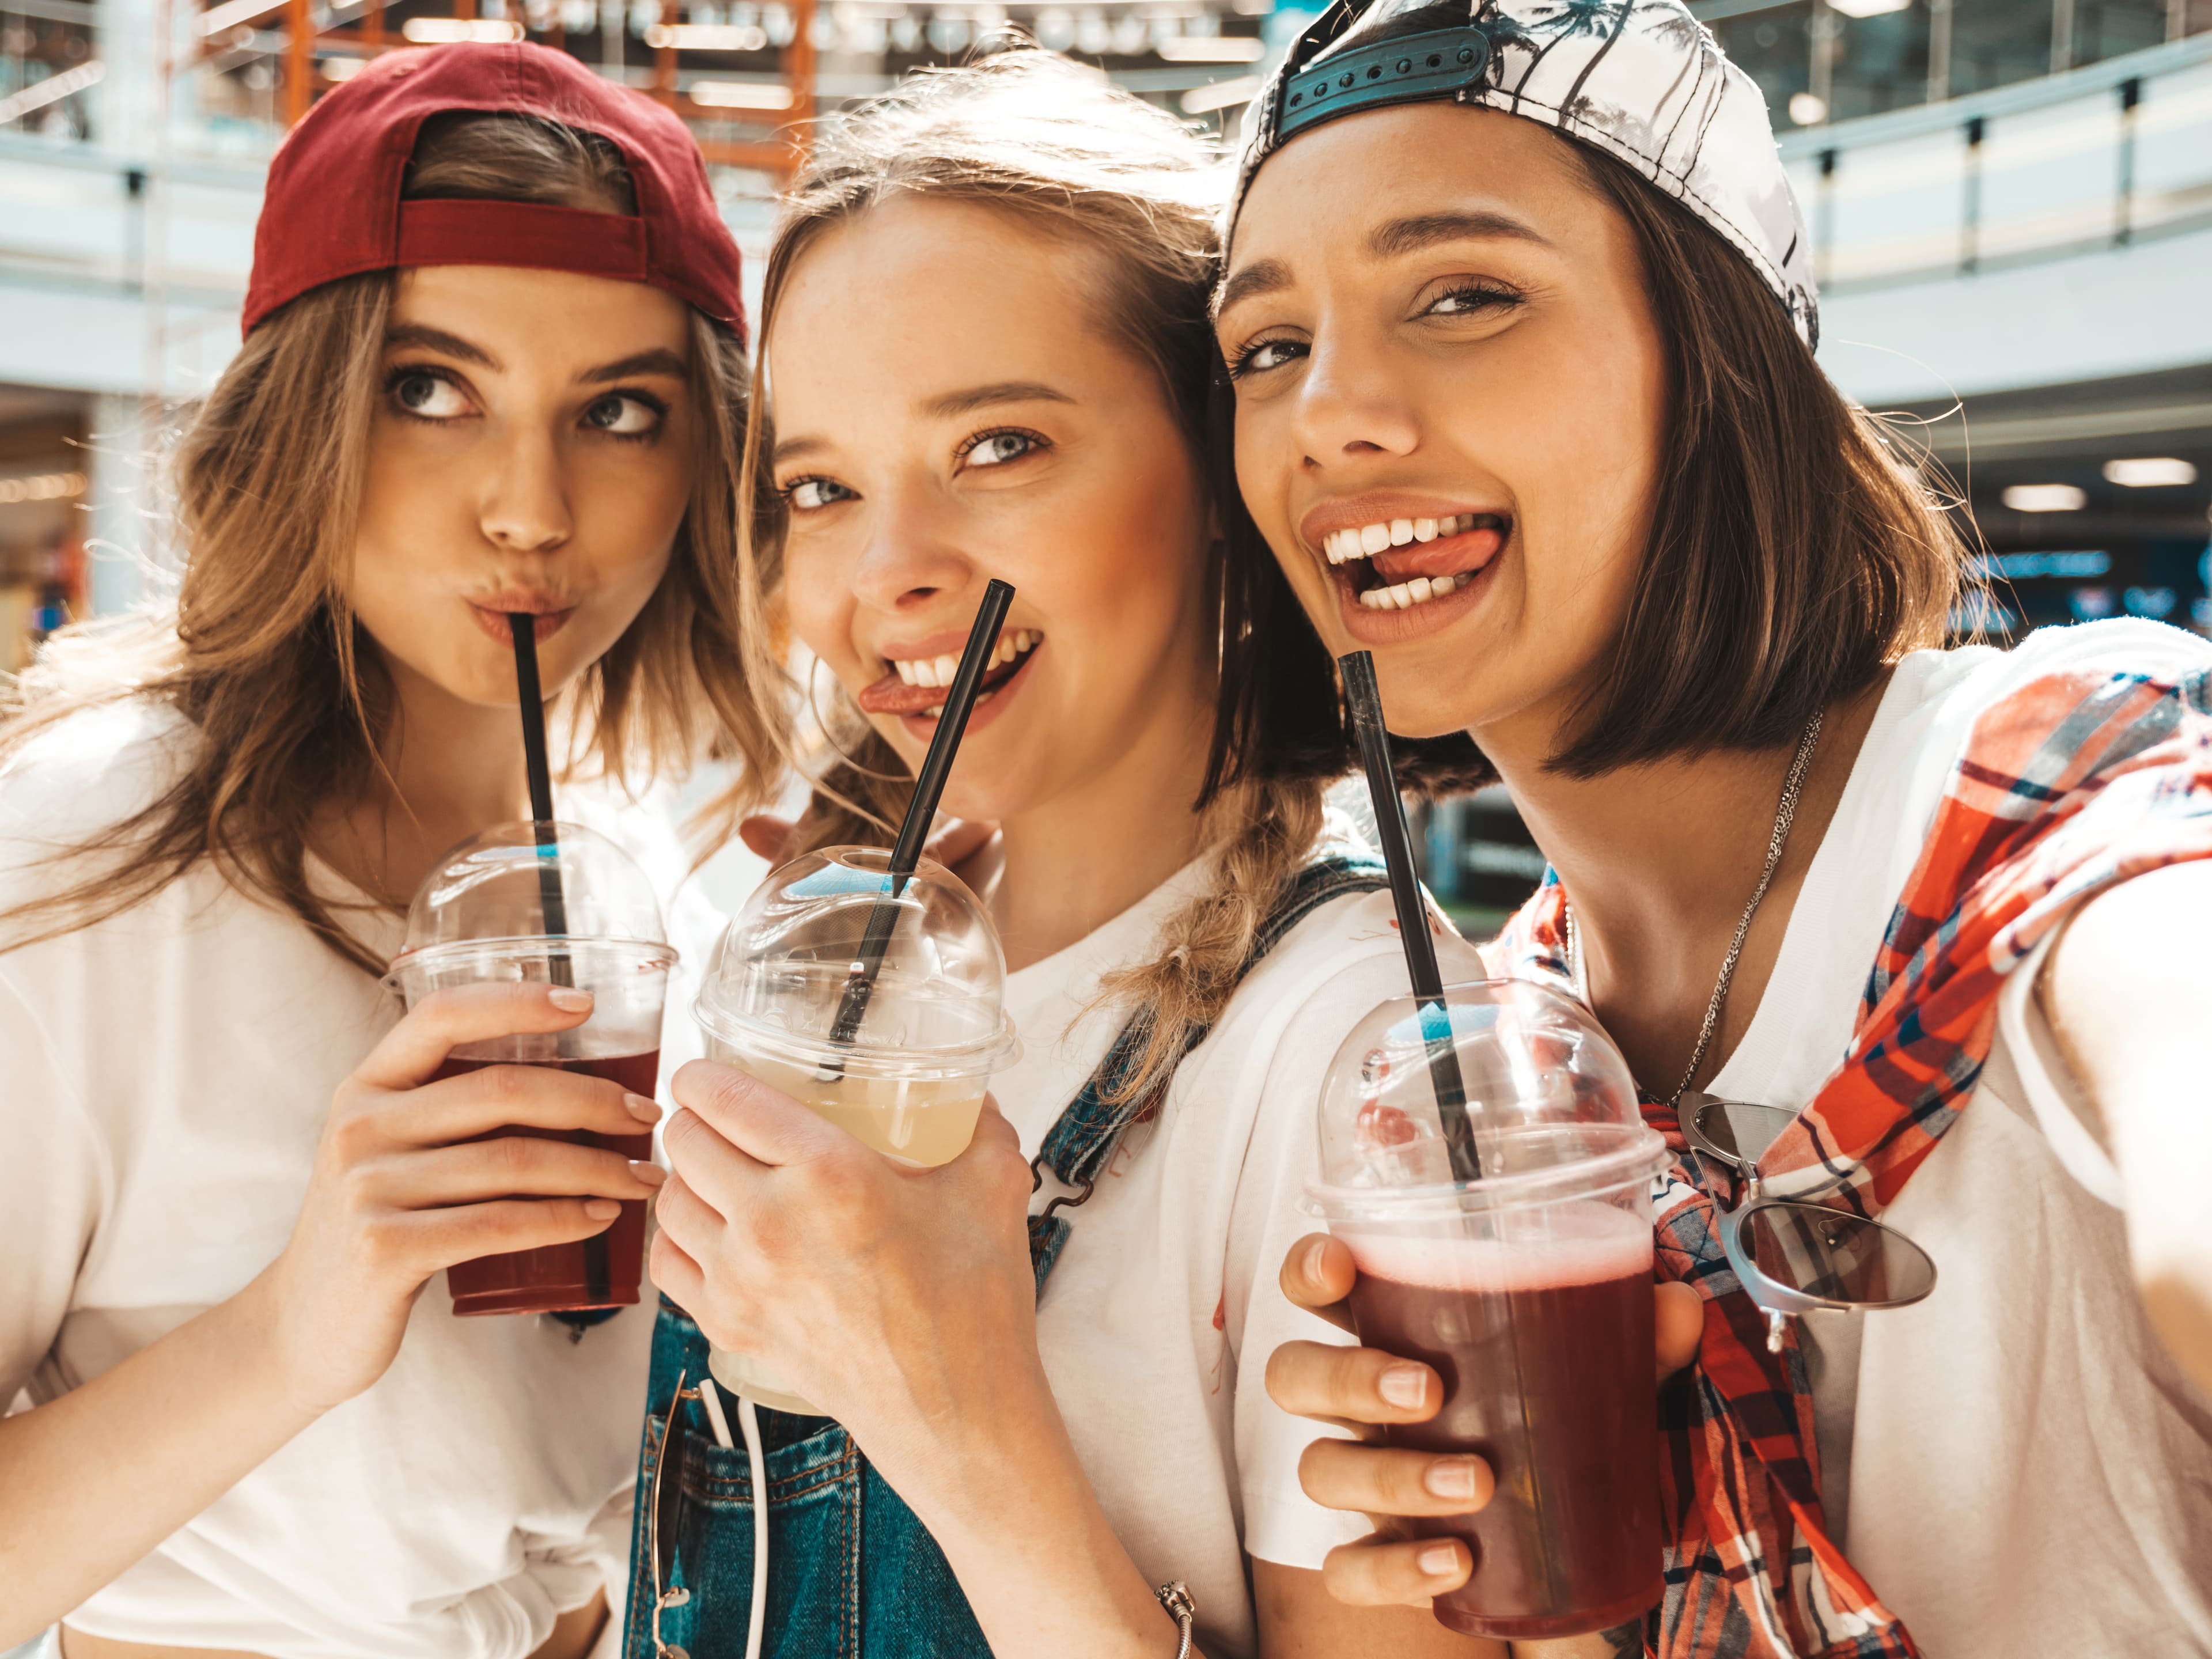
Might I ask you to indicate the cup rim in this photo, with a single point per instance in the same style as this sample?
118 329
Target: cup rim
653 952
1644 1156
984 1055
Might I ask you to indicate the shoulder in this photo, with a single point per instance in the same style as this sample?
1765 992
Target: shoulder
89 772
2049 675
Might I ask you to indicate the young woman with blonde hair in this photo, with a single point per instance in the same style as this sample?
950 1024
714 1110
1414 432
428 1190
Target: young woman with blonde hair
494 364
984 355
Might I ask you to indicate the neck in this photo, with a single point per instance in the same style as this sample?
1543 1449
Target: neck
448 771
1073 863
1658 861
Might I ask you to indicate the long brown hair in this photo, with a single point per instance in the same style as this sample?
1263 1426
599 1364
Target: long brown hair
1030 134
262 653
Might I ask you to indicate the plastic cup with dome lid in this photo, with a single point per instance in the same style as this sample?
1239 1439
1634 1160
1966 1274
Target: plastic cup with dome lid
1528 1288
549 904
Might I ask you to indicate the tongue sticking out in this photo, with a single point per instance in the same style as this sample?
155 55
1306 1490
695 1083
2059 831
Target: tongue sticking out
1457 556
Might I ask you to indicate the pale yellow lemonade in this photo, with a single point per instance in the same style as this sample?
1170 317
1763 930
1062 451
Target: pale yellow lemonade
923 1121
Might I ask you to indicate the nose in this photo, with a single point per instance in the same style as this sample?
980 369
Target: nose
524 504
911 555
1351 407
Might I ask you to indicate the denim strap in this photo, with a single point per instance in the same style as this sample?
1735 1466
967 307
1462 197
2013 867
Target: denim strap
1083 1141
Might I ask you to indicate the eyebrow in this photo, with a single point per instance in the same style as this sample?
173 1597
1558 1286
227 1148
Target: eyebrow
659 361
1002 391
1398 237
1426 230
400 335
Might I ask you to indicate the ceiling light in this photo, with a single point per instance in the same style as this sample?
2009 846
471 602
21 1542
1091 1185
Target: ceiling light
2150 473
229 15
342 69
1222 95
1806 110
41 487
1215 49
707 37
741 95
445 31
2046 498
1868 8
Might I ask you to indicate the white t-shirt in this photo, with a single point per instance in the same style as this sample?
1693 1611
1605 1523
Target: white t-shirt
2014 1464
167 1076
1159 1318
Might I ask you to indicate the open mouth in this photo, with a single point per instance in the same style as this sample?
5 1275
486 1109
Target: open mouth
920 685
1400 565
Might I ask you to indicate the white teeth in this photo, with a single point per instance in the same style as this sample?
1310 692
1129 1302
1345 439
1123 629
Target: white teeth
1425 530
1374 538
905 671
1403 596
1401 532
946 667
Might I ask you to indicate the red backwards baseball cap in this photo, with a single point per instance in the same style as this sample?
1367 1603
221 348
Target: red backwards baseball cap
332 206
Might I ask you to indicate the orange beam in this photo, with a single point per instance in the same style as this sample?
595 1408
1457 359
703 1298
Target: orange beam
372 25
799 76
664 65
299 61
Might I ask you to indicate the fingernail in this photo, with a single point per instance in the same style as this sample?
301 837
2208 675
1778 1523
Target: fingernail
602 1209
652 1175
1405 1385
1452 1478
569 1001
644 1111
1312 1269
1439 1560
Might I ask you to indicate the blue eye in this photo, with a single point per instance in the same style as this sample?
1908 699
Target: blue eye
809 495
997 449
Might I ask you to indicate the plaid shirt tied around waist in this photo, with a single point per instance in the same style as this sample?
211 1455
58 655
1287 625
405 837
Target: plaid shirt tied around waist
2069 784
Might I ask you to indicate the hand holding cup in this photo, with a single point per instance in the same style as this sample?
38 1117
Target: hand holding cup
404 1183
1364 1389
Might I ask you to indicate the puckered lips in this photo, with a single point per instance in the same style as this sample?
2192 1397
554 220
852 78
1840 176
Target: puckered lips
1405 565
920 673
551 610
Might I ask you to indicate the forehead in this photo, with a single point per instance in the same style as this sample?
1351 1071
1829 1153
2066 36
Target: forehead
915 291
557 314
1357 172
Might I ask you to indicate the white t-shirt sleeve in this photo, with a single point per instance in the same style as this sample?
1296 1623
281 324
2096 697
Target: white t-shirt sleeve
50 1180
1281 1523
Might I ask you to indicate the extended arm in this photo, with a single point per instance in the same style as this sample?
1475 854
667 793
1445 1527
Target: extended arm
2128 993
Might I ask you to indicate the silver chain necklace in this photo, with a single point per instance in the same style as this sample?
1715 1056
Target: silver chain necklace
1785 816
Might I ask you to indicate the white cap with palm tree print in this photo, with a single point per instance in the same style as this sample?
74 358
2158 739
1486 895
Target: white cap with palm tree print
1642 80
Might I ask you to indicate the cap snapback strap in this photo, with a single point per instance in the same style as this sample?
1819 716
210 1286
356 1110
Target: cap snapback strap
469 232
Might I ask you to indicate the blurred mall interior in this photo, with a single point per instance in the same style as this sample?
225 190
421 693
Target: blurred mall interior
2011 199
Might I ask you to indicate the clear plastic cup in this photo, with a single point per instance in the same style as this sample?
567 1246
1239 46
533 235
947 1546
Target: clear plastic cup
909 1077
1528 1290
482 916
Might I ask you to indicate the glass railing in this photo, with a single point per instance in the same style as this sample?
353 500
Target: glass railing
2097 157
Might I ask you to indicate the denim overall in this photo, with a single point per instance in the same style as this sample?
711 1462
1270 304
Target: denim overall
852 1573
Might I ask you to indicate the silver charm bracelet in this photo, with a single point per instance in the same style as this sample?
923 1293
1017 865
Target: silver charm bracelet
1175 1598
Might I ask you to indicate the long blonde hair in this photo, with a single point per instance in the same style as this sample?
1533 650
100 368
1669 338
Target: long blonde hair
262 653
1030 134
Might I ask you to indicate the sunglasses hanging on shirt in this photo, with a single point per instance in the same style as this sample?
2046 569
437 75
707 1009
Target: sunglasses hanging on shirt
1793 1257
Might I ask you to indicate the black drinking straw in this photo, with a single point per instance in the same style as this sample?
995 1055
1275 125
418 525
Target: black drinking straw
560 969
1366 700
928 787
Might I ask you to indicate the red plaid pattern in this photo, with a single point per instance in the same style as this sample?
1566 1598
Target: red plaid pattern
2070 783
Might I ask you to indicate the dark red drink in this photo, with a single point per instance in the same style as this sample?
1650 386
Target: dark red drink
599 1271
1545 1350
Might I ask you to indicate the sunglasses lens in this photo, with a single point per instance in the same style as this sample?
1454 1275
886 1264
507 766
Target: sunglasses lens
1842 1258
1736 1129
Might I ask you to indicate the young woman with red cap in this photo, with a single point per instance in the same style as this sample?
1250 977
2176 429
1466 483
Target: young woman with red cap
1538 422
493 364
